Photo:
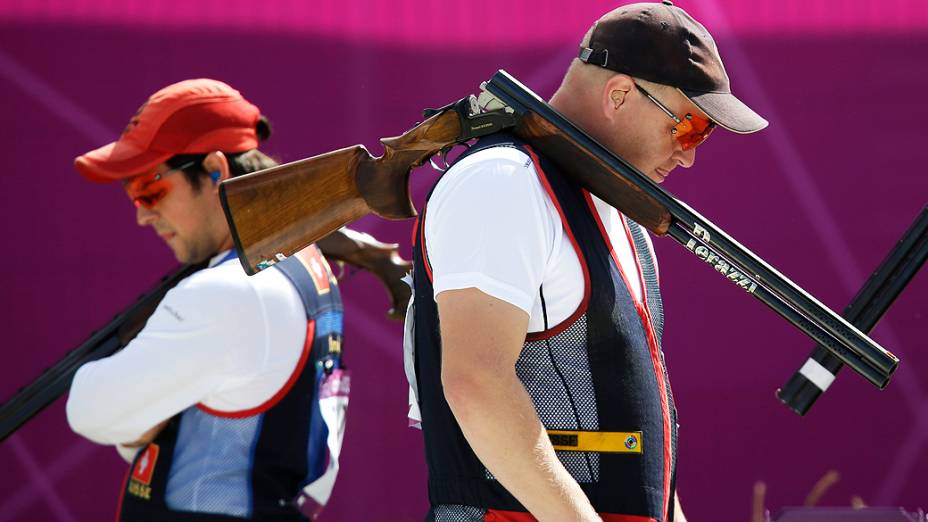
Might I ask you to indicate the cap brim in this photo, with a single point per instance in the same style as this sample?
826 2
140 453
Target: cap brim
116 161
727 111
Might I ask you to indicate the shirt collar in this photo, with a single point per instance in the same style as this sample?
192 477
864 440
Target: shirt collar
222 257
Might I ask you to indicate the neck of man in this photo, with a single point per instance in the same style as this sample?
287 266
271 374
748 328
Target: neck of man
574 107
226 244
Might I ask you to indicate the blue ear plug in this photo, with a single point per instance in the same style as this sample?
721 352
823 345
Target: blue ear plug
214 175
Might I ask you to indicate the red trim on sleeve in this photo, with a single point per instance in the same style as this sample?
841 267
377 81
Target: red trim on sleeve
581 309
270 403
645 316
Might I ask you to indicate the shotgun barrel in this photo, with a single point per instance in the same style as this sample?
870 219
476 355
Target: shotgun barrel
866 309
656 209
54 381
346 245
273 217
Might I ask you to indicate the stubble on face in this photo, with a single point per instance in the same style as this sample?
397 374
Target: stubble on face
662 153
183 221
645 143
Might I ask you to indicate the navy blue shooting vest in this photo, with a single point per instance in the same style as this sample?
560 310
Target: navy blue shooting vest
262 458
598 375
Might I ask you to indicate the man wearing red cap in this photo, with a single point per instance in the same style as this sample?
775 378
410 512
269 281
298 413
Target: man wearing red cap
230 402
542 388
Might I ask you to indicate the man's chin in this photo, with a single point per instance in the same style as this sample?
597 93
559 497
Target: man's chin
182 255
658 175
190 258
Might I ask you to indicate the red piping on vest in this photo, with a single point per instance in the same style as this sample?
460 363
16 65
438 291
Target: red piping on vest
584 303
122 493
420 227
415 231
645 315
493 515
270 403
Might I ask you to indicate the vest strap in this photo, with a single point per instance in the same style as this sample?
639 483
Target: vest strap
598 441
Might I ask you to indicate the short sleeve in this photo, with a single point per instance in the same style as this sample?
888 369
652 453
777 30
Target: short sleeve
490 225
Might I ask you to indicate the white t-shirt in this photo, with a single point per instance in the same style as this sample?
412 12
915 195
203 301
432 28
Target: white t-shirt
491 225
219 337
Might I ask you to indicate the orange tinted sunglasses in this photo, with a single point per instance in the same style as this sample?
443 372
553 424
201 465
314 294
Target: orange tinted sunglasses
147 190
689 131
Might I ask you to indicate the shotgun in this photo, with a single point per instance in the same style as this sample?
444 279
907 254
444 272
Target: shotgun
875 297
275 212
344 245
54 381
381 259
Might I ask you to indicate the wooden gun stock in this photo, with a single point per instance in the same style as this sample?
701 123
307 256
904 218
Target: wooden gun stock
273 218
381 259
276 212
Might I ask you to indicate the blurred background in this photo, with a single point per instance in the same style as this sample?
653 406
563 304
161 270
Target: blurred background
823 195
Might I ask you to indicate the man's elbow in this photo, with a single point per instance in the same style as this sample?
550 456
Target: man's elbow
88 419
469 390
81 418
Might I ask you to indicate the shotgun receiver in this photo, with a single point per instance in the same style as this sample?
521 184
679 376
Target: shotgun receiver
275 212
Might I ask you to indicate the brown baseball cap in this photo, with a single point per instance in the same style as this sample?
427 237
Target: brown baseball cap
188 117
662 43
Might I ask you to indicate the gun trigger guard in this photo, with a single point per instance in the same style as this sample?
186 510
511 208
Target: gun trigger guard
443 153
474 124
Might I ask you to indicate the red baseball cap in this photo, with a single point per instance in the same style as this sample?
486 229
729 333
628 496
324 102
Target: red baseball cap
189 117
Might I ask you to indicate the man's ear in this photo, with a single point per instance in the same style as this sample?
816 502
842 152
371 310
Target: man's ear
217 166
616 94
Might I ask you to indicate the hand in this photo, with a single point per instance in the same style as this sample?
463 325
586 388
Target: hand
148 436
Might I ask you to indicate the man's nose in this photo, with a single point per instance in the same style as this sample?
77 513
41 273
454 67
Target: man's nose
145 216
686 158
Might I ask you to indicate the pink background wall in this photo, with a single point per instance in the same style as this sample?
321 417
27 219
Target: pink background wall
822 195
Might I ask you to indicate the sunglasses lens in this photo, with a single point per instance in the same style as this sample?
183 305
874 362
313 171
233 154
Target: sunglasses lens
692 131
147 190
148 200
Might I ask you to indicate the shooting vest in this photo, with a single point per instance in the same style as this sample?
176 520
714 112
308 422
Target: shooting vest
597 380
267 463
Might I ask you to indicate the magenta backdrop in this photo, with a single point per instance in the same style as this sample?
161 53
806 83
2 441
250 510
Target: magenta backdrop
822 194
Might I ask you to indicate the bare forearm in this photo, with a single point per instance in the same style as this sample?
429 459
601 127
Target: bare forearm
481 340
499 421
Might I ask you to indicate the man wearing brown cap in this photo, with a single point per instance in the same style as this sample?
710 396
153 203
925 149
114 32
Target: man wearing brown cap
542 388
225 401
